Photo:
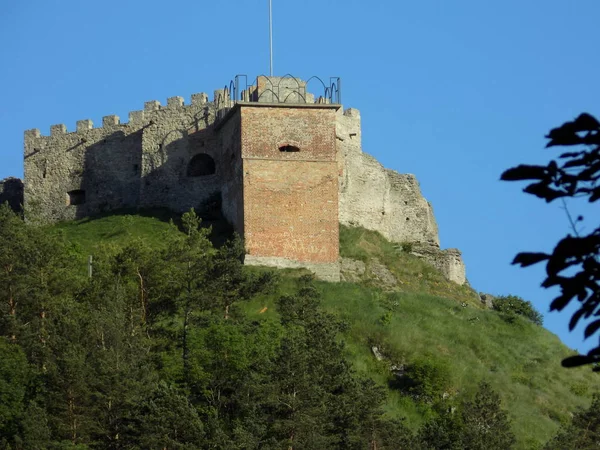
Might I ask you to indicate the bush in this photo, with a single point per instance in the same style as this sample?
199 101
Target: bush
407 247
427 378
511 305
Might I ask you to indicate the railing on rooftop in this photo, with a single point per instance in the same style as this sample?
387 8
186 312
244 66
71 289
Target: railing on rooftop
286 89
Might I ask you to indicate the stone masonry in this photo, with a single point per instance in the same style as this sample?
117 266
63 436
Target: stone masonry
286 168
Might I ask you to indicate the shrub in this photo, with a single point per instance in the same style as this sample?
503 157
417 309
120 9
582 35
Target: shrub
580 389
427 378
386 318
406 247
511 305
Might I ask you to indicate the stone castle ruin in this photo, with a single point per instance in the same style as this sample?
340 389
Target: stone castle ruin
286 167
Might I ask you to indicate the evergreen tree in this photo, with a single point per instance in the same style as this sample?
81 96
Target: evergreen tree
582 433
486 425
479 424
14 373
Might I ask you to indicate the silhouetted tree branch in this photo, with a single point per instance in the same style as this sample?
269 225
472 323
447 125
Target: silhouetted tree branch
574 265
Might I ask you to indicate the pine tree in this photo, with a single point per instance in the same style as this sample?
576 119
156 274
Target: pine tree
583 432
480 424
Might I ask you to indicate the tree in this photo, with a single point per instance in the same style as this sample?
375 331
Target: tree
486 424
574 264
511 305
13 382
480 424
582 433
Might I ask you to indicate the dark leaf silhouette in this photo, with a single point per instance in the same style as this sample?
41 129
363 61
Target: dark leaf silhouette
542 190
577 360
574 264
575 319
524 172
592 328
528 259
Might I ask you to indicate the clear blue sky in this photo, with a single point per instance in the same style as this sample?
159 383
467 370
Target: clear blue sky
454 92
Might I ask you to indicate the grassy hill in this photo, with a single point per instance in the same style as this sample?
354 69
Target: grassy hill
425 318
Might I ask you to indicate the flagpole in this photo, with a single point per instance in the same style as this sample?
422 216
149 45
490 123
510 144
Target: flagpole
271 36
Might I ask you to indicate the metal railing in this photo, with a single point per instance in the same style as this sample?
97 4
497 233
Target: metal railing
286 89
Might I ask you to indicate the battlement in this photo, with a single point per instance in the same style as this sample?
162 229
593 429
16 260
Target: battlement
265 89
136 119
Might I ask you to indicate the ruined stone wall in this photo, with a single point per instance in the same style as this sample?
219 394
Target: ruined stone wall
291 188
11 192
377 198
386 201
174 136
73 175
140 164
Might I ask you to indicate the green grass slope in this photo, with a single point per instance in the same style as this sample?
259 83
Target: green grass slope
425 318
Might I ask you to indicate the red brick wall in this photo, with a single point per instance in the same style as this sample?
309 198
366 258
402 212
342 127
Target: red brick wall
290 199
265 130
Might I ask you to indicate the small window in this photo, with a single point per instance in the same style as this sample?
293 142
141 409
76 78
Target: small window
289 148
76 197
201 165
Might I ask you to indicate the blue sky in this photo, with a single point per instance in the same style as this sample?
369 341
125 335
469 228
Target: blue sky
454 92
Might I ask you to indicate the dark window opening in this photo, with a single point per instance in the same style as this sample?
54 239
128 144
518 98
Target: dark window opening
76 197
289 148
136 168
201 165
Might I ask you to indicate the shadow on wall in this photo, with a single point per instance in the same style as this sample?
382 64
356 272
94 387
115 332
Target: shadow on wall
146 171
11 192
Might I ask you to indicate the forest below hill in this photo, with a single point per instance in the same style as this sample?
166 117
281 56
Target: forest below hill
169 342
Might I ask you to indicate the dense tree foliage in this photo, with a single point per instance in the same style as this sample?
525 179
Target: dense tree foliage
512 305
582 433
480 424
153 352
574 264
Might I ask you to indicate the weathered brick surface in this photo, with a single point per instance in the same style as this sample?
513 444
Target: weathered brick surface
290 198
266 129
290 210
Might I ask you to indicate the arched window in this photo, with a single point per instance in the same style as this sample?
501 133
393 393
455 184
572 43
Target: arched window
288 148
201 165
76 197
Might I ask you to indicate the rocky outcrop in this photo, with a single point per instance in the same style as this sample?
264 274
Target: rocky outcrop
449 261
487 299
11 191
382 274
352 270
386 201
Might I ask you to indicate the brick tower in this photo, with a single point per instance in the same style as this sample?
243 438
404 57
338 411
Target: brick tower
283 152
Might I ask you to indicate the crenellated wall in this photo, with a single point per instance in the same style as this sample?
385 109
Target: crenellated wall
286 204
139 164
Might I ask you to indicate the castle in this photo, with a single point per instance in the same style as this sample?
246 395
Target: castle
286 167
